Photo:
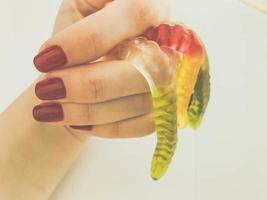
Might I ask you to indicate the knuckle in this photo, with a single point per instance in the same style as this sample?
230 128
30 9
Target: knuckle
91 114
93 42
95 89
85 86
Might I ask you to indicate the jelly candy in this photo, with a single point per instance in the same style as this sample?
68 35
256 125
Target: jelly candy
174 62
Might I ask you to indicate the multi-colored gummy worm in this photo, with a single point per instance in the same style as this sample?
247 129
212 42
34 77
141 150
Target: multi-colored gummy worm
174 62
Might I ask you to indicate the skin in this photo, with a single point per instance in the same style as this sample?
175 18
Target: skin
35 156
91 98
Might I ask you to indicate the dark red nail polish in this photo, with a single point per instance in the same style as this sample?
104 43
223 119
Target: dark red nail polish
50 89
48 112
50 59
84 128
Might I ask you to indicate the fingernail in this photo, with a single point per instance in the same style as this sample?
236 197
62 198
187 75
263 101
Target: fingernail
48 112
84 128
49 59
50 89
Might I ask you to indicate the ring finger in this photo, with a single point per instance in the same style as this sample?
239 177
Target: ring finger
92 83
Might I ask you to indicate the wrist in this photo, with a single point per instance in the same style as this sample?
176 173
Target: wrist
34 157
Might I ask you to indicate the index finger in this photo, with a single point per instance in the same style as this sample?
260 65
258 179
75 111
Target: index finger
96 34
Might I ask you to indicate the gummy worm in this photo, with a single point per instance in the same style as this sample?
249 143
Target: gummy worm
174 63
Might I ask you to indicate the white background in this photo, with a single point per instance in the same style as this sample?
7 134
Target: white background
225 159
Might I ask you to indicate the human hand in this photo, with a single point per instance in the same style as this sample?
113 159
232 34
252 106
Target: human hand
107 99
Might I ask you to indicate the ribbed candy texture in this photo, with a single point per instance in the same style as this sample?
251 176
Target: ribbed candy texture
182 40
174 63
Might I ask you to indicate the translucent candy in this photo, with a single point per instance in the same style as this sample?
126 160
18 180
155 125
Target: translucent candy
173 61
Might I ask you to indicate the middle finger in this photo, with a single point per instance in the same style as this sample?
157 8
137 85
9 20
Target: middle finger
92 83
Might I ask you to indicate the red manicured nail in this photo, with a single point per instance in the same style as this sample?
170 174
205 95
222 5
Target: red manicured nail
48 112
50 59
84 128
50 89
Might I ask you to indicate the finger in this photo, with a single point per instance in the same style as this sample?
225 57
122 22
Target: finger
130 128
95 35
96 82
93 114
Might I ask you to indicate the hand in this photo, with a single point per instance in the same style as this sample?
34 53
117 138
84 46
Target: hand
106 99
